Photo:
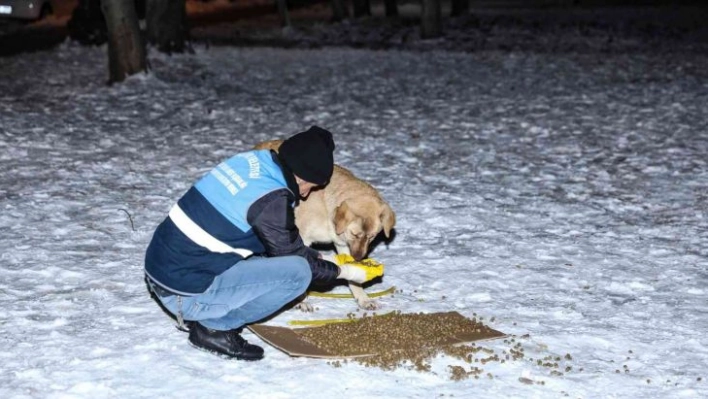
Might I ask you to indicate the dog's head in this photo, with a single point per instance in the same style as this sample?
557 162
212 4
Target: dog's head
358 221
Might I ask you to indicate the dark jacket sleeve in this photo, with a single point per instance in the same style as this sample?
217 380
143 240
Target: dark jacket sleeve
273 220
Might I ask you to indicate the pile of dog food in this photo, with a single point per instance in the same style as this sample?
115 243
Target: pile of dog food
411 341
399 340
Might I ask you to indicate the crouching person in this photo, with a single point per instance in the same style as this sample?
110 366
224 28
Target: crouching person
229 253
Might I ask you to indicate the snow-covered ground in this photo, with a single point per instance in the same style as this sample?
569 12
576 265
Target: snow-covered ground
563 195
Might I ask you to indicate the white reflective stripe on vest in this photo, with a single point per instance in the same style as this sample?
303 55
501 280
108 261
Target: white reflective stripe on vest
200 236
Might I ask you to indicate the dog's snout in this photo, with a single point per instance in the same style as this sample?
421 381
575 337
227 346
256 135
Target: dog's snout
358 255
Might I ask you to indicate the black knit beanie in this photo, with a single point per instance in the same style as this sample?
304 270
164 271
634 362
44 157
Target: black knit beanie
309 155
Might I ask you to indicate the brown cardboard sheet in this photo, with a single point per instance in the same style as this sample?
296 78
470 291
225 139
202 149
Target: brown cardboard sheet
291 342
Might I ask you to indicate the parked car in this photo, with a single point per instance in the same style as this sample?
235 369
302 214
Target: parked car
25 9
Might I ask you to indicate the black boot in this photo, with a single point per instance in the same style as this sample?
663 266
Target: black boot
227 343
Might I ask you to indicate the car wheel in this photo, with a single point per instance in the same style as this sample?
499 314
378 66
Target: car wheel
46 11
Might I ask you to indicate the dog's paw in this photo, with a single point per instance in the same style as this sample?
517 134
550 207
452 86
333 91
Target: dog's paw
368 304
305 307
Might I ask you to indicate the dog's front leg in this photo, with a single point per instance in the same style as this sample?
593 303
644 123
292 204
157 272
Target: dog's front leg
362 299
300 303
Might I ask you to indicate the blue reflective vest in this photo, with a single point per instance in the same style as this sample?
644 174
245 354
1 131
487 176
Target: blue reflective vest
214 210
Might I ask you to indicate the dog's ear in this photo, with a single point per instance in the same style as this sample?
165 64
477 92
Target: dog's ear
342 215
269 145
388 219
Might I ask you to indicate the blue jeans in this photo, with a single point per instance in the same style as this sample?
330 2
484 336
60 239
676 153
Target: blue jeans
249 291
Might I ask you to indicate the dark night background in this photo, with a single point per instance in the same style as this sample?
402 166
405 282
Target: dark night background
490 24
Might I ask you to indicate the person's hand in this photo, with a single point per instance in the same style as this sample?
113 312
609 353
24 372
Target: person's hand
358 272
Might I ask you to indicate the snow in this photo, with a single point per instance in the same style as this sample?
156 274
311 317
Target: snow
560 196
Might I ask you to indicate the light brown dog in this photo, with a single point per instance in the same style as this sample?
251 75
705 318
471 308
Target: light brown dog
348 212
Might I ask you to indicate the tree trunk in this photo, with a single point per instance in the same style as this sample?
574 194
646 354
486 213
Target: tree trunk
126 49
283 11
460 8
362 8
339 10
167 25
391 8
431 19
